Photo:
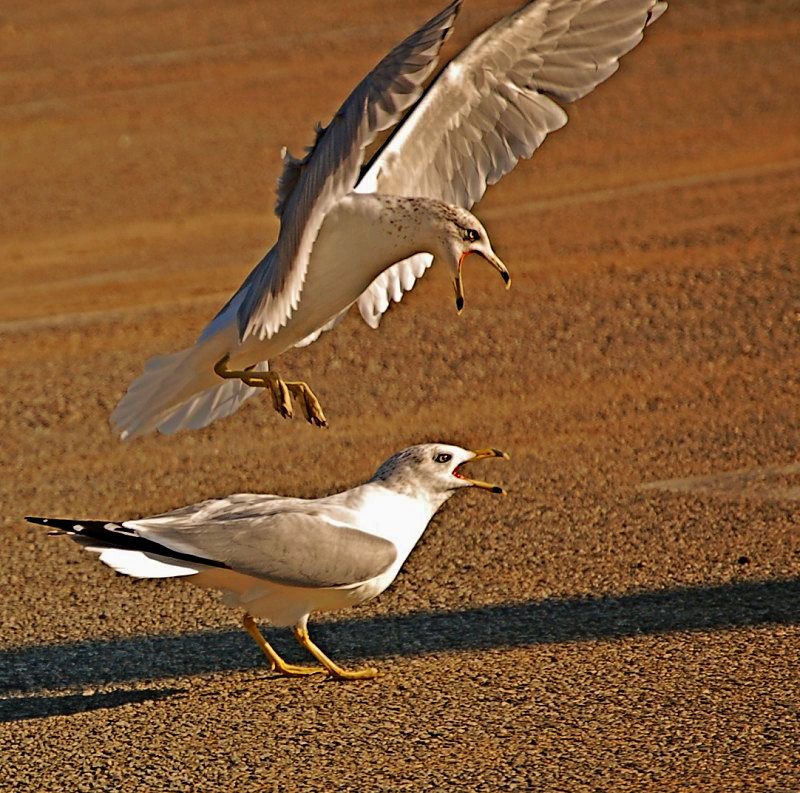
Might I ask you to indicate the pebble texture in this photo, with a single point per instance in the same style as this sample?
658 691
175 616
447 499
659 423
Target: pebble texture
627 619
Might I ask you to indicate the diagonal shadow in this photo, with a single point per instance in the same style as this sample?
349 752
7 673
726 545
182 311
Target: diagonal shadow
19 708
551 621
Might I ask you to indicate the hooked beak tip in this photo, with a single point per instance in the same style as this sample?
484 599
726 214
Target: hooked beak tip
498 265
484 454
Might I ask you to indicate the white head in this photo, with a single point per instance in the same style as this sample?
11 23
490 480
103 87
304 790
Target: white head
458 234
435 469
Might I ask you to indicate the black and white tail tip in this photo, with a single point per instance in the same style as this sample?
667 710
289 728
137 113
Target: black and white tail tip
96 529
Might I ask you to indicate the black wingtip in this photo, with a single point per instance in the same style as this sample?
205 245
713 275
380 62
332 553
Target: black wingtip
62 524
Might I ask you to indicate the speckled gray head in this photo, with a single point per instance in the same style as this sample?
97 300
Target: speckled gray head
434 468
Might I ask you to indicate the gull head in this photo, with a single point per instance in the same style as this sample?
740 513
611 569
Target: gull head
434 470
460 234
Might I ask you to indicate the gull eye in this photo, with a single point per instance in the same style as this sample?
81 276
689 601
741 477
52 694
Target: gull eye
472 235
443 458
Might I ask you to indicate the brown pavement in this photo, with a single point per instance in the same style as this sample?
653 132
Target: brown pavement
627 619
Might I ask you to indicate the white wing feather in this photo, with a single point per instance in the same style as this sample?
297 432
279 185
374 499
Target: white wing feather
494 104
311 186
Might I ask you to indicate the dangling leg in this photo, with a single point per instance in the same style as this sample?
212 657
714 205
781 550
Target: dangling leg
278 664
301 634
279 390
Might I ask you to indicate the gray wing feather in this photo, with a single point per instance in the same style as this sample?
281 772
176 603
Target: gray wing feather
290 547
311 186
495 103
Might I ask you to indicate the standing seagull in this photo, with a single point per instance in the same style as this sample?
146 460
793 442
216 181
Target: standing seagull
283 558
350 235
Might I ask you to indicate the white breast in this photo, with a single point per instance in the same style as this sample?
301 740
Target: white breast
358 240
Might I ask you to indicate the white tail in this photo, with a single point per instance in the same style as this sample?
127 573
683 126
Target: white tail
178 391
138 564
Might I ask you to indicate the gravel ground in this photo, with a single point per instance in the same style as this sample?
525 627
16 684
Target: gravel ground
627 619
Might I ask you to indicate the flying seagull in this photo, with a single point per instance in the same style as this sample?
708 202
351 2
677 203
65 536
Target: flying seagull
355 233
282 558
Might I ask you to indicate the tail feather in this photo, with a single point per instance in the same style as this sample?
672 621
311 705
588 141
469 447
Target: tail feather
139 564
96 529
214 403
179 391
122 549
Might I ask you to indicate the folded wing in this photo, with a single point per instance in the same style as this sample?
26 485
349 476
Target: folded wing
293 548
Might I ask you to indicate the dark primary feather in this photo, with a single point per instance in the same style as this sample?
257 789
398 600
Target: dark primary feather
115 535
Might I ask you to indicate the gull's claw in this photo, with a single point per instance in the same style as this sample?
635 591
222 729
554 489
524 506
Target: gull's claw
333 669
292 670
281 399
280 391
309 404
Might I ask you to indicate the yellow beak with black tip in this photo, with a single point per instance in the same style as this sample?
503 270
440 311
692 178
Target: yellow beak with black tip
493 260
483 454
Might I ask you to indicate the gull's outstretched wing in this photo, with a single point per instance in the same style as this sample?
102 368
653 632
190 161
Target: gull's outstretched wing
290 544
493 105
311 186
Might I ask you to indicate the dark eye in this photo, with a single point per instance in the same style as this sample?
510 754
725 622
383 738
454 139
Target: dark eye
472 235
443 458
